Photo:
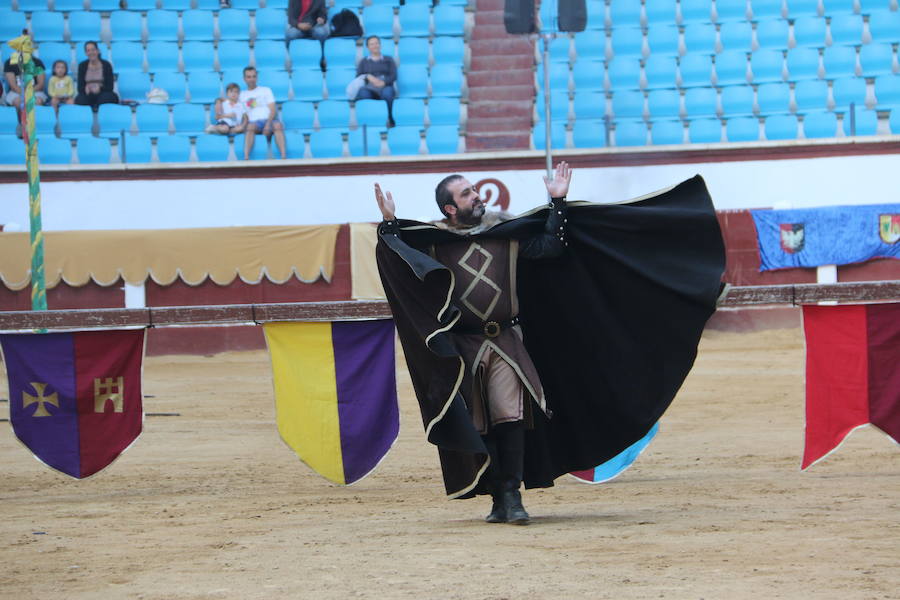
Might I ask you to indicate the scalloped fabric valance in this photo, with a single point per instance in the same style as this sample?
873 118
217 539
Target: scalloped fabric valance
164 255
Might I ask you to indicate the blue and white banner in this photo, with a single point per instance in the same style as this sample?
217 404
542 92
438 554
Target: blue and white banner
833 235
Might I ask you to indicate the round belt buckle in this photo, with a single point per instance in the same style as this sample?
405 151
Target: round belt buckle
492 329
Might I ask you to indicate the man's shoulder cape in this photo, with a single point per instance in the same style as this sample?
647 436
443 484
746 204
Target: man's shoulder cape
612 326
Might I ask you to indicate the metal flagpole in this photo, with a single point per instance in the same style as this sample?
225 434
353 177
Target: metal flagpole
29 70
548 149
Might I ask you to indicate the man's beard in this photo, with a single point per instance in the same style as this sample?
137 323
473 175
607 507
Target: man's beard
471 215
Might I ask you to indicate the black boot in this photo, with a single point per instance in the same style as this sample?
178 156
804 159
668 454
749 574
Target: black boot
511 447
495 483
515 512
498 510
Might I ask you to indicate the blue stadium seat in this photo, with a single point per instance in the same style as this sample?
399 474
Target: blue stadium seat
448 50
93 151
372 113
234 24
189 118
589 134
9 119
174 84
305 54
894 121
667 132
731 67
663 40
307 84
260 149
798 8
624 13
699 38
846 30
278 81
449 20
820 125
198 56
127 56
33 6
412 81
125 26
271 24
49 52
847 90
142 5
162 26
730 11
695 70
876 59
295 145
557 135
587 107
75 120
12 150
660 71
104 5
137 149
559 76
887 92
113 119
326 144
12 23
628 104
660 12
802 63
663 104
446 80
233 54
179 5
442 139
173 148
415 20
839 7
773 34
333 114
630 133
773 98
340 53
152 118
364 142
737 100
248 4
336 81
627 41
866 122
596 14
298 115
414 51
623 73
742 129
884 25
736 35
809 32
839 61
84 26
589 46
198 26
407 112
54 151
588 76
559 106
378 20
560 49
441 111
45 121
701 102
705 131
767 65
781 127
205 87
47 26
404 140
162 56
811 95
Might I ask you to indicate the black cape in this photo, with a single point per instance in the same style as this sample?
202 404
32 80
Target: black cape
612 326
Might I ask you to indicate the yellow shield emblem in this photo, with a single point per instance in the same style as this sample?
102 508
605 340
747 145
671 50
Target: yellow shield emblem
889 228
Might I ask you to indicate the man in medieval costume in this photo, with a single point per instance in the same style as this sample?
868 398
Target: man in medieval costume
547 343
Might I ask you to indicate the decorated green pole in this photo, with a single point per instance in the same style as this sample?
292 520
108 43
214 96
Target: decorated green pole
29 71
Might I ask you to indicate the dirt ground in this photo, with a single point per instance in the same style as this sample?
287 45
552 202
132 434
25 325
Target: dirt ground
212 505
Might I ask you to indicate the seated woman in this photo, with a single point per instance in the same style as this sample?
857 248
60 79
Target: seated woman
95 79
381 73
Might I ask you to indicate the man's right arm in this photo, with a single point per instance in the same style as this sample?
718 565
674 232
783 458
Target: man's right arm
293 12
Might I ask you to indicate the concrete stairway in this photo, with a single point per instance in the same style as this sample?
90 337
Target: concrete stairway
500 82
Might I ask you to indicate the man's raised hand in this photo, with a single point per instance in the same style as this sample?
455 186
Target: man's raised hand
385 204
558 187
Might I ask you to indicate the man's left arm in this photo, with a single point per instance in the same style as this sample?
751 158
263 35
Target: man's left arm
552 241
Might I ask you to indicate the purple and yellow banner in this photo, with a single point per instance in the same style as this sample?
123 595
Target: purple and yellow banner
335 394
75 398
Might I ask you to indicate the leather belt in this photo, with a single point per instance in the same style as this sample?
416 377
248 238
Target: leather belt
490 329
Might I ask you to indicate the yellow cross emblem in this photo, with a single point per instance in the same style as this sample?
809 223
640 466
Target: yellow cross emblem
41 399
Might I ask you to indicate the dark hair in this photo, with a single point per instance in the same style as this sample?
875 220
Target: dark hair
96 45
249 68
371 37
232 85
56 62
442 195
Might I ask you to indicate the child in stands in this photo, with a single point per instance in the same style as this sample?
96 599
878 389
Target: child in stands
230 114
61 88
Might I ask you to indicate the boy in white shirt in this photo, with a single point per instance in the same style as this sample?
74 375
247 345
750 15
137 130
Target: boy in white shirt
229 111
259 104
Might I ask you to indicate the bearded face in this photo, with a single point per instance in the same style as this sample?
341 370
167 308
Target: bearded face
469 207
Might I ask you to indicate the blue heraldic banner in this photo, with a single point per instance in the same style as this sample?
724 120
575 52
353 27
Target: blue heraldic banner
833 235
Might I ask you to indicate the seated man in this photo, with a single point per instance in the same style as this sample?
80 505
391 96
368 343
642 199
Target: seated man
259 106
16 85
381 73
307 19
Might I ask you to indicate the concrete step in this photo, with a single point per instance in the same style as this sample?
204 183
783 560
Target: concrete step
500 109
489 17
516 77
519 124
492 31
481 62
506 92
506 45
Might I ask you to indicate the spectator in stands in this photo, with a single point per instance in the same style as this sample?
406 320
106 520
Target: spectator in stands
307 19
15 84
259 104
95 79
231 118
61 88
381 73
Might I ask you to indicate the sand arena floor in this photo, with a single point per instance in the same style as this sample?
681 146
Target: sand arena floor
212 505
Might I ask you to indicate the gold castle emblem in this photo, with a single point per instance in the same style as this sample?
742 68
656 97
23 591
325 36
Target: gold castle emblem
109 389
